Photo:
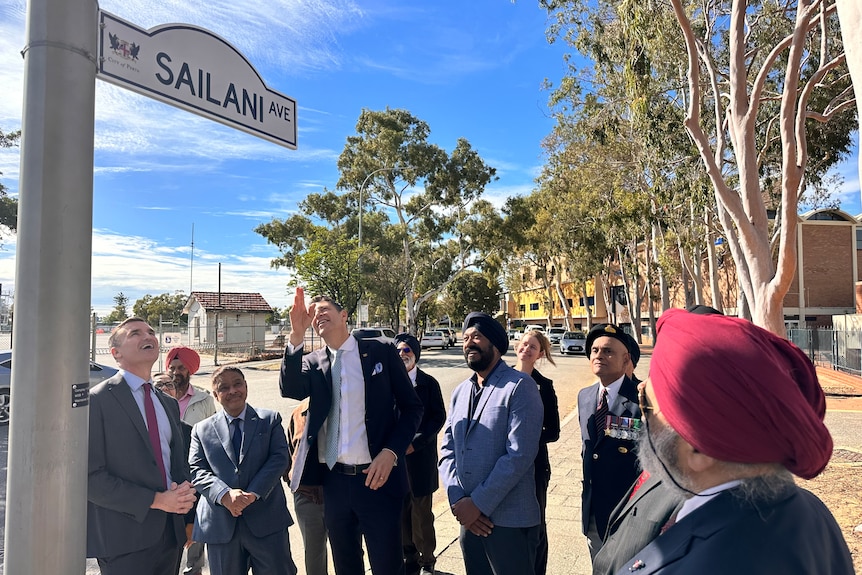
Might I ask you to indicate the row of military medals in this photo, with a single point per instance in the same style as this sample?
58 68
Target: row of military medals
622 427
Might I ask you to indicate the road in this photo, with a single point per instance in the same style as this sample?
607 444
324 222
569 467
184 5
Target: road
569 375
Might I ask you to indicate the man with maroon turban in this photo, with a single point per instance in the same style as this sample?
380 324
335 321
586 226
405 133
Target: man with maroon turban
196 404
732 412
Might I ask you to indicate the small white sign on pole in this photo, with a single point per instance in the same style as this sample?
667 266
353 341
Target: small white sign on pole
195 70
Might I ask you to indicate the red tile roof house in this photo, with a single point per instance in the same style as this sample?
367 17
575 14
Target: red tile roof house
231 319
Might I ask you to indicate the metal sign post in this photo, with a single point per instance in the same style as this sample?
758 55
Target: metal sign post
69 43
46 498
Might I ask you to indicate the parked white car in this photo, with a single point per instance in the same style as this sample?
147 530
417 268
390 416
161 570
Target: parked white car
381 334
434 339
555 334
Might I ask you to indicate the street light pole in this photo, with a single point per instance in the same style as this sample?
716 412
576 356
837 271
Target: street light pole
362 189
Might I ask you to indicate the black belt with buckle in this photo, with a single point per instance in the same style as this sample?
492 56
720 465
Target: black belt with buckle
350 469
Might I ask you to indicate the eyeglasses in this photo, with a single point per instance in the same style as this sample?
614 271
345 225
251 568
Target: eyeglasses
404 350
643 402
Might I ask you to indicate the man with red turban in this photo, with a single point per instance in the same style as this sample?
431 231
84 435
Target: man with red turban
196 404
732 412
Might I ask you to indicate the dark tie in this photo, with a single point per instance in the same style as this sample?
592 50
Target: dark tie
601 412
153 430
236 439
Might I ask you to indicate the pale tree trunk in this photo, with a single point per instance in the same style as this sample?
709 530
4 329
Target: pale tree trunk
850 16
587 306
662 278
746 223
714 286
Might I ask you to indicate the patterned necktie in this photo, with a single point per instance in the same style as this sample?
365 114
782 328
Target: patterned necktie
333 420
153 430
601 412
236 439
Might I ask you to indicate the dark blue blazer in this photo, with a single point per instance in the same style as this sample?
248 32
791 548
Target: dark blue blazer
610 464
392 408
262 460
792 535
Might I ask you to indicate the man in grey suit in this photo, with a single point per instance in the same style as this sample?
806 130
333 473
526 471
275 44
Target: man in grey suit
490 442
637 520
237 458
137 486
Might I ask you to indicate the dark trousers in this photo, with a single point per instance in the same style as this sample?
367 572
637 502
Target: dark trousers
543 477
506 551
352 511
162 558
269 555
417 531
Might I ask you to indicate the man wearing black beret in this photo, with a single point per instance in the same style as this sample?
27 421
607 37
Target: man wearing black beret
609 416
417 518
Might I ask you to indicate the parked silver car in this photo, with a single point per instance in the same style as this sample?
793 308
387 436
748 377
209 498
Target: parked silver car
98 372
573 342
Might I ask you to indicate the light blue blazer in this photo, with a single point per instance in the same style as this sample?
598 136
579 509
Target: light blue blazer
490 456
263 459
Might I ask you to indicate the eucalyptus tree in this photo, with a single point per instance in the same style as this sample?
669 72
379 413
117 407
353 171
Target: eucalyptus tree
757 75
431 196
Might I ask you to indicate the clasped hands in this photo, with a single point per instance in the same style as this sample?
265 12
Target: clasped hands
177 499
236 500
472 518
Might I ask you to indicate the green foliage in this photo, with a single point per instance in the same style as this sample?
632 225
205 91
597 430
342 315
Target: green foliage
120 311
471 291
331 267
422 217
168 307
8 206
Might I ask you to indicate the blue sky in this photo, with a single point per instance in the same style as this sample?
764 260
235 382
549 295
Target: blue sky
469 69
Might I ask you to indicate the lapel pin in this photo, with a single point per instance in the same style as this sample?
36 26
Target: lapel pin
637 565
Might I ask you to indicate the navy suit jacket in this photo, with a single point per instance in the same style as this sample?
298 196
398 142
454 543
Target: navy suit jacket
489 456
422 463
792 535
392 408
610 464
262 460
123 476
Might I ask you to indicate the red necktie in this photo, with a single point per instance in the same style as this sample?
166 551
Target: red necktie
601 413
153 429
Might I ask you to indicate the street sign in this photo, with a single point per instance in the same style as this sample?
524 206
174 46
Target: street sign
195 70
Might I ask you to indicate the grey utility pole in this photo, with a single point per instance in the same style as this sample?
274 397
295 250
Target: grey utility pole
46 501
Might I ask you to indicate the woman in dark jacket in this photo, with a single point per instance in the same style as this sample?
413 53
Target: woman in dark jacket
533 347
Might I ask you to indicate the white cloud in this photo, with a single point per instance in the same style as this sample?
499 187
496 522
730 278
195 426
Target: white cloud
137 265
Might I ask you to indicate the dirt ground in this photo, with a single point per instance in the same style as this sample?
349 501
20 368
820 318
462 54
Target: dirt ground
838 488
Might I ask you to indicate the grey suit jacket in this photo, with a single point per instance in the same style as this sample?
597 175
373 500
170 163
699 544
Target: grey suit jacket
123 476
262 460
635 522
489 457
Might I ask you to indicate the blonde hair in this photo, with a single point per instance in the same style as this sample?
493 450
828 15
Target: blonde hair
544 343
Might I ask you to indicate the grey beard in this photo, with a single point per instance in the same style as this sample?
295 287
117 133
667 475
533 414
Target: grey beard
662 462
